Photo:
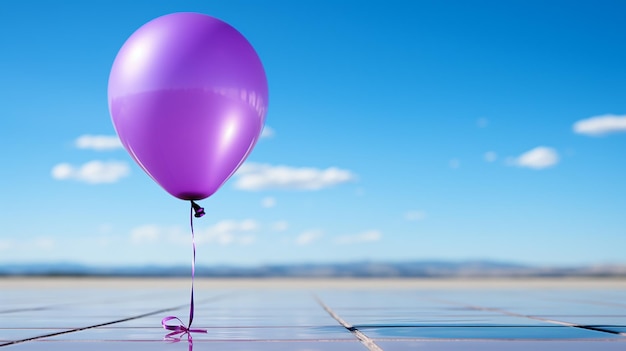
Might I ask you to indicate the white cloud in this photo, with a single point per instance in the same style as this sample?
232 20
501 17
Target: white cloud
601 125
365 237
146 234
454 163
268 202
415 216
93 172
103 241
30 246
490 156
538 158
279 226
256 176
227 232
308 237
246 240
482 122
6 244
98 142
268 132
44 243
105 228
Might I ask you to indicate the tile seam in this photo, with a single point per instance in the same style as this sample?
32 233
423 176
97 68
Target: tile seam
513 314
74 330
364 339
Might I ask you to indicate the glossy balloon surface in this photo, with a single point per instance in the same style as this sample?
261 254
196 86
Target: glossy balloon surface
188 97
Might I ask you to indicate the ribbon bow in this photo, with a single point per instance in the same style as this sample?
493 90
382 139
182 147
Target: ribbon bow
178 330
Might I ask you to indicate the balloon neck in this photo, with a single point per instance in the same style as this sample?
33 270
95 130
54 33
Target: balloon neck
197 210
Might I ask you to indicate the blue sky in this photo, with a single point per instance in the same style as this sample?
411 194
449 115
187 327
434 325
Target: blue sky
403 130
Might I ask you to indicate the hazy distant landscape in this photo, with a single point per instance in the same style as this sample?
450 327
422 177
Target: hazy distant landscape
364 269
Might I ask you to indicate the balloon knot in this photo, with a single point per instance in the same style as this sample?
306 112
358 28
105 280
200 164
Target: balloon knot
198 211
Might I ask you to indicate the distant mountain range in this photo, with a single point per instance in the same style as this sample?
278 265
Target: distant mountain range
364 269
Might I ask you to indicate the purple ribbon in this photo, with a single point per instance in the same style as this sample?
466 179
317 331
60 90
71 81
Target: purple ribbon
181 329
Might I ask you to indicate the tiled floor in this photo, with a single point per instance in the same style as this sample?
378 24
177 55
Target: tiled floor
292 315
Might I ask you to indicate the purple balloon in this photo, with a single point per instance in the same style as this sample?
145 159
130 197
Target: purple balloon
188 97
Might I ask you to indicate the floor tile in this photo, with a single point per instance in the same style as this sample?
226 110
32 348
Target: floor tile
124 317
247 333
473 332
502 345
184 346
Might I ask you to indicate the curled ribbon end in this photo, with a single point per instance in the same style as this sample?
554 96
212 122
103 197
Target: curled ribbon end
178 330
